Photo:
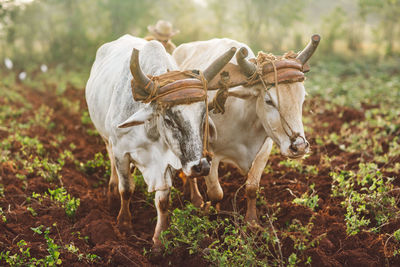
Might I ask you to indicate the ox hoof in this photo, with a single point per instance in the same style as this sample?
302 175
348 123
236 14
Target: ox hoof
206 207
156 254
198 202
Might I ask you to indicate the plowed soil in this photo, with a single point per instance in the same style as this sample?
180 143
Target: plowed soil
95 220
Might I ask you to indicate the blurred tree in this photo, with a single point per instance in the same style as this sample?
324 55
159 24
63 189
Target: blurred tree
68 32
267 23
189 17
222 10
388 12
333 28
128 16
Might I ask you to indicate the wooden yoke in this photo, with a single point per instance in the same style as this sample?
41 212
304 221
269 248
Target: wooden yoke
174 88
288 71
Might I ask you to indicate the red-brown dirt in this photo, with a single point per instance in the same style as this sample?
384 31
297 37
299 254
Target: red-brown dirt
95 220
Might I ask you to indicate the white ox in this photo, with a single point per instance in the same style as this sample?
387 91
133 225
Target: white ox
251 120
154 139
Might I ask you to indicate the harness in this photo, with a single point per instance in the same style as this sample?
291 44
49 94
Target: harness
270 71
177 88
186 87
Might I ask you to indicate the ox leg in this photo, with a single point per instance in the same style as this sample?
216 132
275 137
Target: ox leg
214 190
112 194
253 181
126 187
162 202
195 196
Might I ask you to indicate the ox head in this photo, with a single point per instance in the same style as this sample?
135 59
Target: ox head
180 126
280 108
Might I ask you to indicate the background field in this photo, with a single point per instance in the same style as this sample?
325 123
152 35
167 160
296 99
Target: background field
337 207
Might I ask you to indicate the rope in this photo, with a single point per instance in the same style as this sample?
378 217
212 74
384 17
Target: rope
163 80
268 59
206 144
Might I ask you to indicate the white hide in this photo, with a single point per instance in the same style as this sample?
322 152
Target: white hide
110 103
247 121
240 133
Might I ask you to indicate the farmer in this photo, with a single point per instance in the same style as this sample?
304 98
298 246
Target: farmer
163 33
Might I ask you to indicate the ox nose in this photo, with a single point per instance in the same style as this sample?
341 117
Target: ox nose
201 169
299 146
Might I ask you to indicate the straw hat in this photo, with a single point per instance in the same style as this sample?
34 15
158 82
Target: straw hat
162 30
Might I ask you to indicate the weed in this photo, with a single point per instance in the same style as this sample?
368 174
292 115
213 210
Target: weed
1 190
85 118
188 229
48 170
23 258
73 106
32 211
78 234
43 117
300 235
61 196
3 216
367 196
90 166
299 166
71 248
52 248
307 199
224 242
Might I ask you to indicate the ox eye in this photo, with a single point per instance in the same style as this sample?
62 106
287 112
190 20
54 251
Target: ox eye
269 102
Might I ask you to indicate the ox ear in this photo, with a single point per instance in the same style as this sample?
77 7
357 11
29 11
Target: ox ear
139 117
243 92
213 130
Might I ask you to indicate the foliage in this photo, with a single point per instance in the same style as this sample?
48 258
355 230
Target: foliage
223 241
23 256
90 166
61 198
309 200
367 198
3 216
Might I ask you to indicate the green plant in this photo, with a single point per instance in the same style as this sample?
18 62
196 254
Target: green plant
69 203
85 118
71 248
52 248
300 235
307 199
61 198
224 242
3 216
1 190
23 258
44 167
367 196
90 166
299 166
32 211
43 117
188 229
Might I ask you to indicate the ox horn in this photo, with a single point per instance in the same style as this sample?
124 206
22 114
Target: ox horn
246 66
140 78
218 64
307 52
